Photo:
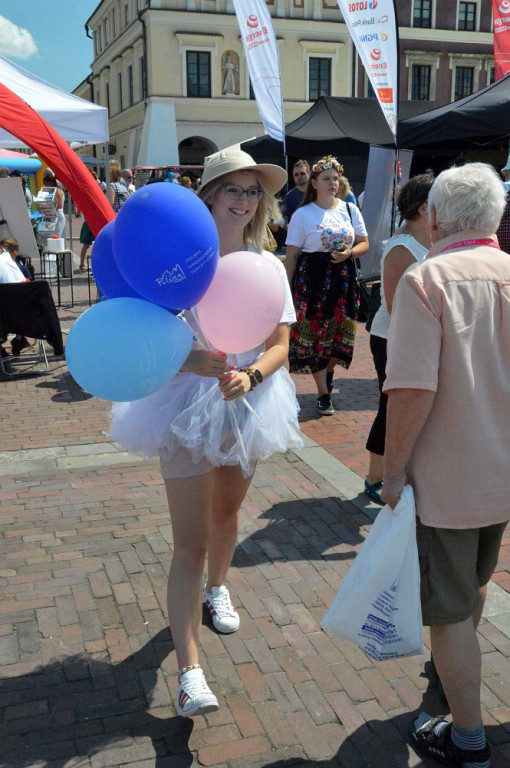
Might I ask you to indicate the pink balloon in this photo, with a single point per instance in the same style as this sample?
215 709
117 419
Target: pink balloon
243 304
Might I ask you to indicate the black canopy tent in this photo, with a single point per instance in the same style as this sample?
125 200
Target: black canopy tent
479 119
344 127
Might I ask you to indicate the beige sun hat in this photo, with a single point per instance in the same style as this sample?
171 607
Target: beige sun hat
230 160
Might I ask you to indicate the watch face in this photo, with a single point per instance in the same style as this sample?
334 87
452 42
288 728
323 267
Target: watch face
258 375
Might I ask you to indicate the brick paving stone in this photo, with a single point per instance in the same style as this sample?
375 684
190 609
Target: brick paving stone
221 754
88 669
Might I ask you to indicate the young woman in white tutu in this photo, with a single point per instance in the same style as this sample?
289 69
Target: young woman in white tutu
207 443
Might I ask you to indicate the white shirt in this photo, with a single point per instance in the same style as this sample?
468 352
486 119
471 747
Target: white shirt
313 228
381 321
9 270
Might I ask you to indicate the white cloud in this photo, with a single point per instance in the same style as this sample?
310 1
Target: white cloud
15 42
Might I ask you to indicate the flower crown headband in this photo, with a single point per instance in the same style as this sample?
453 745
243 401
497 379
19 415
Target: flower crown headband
327 162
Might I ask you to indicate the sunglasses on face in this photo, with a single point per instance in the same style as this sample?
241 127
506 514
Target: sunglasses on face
235 192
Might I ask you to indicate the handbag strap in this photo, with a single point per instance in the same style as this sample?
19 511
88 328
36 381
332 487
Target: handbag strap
357 268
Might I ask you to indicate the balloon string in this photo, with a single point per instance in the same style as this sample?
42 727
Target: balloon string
232 404
251 410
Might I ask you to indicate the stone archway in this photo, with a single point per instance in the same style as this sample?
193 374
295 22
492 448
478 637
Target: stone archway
194 149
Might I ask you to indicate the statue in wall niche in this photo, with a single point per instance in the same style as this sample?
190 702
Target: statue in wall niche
230 73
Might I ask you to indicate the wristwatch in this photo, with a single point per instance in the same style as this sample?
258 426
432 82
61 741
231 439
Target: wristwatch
254 375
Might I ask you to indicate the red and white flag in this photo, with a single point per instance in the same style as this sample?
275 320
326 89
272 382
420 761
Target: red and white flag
501 14
261 53
373 27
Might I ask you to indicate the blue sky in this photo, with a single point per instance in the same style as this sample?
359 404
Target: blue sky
48 38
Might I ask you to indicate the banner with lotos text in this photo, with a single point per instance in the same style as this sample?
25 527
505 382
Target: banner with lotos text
261 52
501 15
373 27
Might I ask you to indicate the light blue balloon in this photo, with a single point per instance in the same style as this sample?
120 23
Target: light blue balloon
124 349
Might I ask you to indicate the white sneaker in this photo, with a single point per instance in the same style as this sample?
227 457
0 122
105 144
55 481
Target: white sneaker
224 615
194 697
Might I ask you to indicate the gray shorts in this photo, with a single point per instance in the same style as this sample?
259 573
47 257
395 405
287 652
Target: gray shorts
179 464
454 564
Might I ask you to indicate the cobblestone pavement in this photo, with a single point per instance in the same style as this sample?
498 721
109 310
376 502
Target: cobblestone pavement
87 675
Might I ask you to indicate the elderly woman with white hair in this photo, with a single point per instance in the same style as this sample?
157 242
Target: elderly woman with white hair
448 436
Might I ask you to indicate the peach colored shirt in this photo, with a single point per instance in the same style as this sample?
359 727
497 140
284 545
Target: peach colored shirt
450 333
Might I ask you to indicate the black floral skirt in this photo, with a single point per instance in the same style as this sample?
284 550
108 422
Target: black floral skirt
326 300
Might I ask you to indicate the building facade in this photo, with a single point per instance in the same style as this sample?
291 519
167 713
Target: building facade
173 75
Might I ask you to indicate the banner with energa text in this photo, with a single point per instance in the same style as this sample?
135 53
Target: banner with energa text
373 27
501 16
261 53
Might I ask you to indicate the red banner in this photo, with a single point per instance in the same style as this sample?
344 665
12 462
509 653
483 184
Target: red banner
501 13
17 117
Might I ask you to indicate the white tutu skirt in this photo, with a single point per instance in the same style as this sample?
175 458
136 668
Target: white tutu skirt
190 413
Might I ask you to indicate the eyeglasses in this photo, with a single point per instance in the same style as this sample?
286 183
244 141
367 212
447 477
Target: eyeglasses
235 192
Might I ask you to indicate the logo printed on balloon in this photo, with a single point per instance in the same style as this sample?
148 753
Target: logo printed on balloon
504 6
175 276
165 244
375 54
253 21
383 36
383 20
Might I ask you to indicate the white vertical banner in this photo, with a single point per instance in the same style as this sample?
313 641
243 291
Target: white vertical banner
373 27
261 53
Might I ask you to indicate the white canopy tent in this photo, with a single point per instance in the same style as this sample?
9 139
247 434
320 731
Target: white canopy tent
73 118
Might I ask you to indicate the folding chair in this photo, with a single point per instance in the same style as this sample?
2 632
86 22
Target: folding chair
28 309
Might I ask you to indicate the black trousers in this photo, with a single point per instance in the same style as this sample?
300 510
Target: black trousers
377 435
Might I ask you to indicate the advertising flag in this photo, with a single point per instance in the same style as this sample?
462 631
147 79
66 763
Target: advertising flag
261 53
373 28
501 15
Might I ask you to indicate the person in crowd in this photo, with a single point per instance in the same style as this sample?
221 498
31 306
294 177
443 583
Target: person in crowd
294 197
325 235
128 179
448 435
27 193
345 192
409 244
117 192
4 172
86 236
50 180
505 173
208 441
186 182
12 272
503 231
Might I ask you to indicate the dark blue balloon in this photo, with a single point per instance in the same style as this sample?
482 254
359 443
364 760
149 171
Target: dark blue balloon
104 267
166 245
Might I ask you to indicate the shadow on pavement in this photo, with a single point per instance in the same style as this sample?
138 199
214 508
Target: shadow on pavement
297 532
80 705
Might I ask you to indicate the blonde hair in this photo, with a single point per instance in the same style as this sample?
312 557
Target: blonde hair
344 188
267 209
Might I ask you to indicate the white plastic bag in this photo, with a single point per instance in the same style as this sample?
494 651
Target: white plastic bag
378 604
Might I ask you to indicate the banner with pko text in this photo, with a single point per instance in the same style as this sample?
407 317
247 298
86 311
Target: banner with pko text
261 53
373 27
501 15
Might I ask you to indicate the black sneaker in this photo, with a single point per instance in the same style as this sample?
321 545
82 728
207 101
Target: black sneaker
325 406
426 743
329 381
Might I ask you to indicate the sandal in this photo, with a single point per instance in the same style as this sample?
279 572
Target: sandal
372 491
426 743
